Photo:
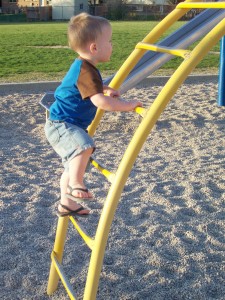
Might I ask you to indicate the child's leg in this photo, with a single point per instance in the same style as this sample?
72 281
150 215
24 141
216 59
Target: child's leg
64 181
64 200
77 167
68 140
74 178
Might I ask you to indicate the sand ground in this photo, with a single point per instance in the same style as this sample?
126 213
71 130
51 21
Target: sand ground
167 240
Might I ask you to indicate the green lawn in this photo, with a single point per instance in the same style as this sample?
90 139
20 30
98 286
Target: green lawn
37 51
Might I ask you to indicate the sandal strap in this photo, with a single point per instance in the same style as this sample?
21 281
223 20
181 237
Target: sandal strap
70 210
77 189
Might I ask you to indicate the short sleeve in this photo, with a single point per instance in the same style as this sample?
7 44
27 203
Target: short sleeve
89 82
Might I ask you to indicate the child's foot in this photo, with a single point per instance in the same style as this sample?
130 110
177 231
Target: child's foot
69 202
65 211
78 194
69 208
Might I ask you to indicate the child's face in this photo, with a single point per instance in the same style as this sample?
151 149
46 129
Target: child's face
104 44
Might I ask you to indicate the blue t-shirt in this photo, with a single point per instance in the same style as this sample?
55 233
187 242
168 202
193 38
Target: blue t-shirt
72 97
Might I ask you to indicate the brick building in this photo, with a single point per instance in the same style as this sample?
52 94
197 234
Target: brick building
15 6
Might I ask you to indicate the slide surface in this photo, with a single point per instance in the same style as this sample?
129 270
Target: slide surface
182 38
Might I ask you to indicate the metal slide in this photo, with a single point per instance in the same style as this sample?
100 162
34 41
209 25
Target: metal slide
182 38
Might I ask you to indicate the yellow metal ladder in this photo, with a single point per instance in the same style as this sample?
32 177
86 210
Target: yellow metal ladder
150 116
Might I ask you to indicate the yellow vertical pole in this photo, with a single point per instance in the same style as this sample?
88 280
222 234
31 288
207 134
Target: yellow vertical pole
58 250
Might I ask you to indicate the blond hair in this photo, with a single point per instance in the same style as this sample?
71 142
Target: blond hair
84 29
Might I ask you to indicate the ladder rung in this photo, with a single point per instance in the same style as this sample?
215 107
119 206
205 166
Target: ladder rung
201 5
63 277
141 111
178 52
109 175
88 240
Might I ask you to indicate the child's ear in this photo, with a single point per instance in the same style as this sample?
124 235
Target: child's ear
93 48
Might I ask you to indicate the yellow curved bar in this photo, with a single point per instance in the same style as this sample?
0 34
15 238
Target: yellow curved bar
88 240
173 51
133 150
92 128
201 5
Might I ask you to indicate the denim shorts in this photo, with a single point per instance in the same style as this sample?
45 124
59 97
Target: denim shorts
67 140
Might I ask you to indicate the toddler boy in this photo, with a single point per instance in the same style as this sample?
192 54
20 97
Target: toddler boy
76 101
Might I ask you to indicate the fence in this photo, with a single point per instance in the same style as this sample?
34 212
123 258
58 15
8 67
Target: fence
122 12
137 12
112 12
39 13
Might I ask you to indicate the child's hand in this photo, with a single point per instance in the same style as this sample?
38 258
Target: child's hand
135 103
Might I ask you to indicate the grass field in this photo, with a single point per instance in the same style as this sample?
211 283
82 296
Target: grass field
38 51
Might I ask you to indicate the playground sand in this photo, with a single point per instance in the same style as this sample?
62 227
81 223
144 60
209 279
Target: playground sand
167 240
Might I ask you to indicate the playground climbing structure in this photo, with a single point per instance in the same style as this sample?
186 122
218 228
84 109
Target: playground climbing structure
145 59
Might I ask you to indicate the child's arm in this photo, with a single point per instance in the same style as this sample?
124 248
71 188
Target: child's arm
110 91
113 104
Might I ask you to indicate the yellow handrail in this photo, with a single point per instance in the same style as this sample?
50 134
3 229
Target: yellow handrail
109 175
141 111
172 51
201 5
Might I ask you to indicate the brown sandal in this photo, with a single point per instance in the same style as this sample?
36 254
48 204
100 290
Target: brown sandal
77 199
73 213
